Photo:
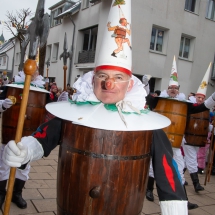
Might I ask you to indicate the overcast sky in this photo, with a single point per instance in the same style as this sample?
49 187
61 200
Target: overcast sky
16 5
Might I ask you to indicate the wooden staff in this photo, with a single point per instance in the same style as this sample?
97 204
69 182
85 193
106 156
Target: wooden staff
64 82
210 157
47 83
30 68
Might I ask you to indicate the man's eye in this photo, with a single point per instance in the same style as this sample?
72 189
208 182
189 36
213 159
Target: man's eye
119 78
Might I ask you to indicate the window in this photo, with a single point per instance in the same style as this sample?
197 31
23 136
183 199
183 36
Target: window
157 36
4 61
89 36
211 10
55 51
86 4
18 58
54 14
0 60
192 5
186 47
48 52
90 39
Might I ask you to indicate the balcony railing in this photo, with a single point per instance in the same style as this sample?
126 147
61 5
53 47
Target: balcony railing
86 56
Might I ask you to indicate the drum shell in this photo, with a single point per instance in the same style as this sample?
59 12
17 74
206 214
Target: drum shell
197 129
93 158
35 113
176 111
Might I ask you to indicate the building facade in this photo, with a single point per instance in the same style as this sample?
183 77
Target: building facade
160 30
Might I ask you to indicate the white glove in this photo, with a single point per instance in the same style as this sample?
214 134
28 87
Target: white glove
7 103
47 80
63 96
210 102
28 149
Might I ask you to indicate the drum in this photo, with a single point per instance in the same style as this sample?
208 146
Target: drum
120 32
102 172
35 113
197 129
176 111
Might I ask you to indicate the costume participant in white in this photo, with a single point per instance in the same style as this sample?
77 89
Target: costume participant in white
173 93
190 151
112 99
37 84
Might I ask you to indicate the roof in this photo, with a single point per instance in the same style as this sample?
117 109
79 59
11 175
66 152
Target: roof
71 11
7 46
60 3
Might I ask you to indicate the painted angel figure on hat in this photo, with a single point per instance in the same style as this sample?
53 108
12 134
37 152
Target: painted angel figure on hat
120 31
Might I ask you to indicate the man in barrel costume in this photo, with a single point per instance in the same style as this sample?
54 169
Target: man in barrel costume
173 93
34 109
197 126
109 98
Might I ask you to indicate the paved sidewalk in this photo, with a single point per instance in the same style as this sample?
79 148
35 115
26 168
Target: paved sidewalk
40 192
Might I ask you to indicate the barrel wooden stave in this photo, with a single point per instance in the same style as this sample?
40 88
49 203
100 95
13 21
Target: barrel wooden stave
122 182
197 129
34 116
176 111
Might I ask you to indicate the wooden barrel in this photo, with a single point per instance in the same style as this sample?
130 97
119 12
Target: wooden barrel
176 111
102 172
35 113
197 129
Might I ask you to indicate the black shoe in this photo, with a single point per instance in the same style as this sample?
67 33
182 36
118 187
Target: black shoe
196 184
149 195
191 206
17 194
19 201
113 54
2 198
185 183
198 187
200 171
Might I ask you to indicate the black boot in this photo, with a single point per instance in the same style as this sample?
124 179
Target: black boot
2 192
196 184
17 194
190 205
200 171
149 189
113 54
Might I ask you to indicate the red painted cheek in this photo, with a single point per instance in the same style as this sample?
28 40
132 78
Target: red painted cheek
109 84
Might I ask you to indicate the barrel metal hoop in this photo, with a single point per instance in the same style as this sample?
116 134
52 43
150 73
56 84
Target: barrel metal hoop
31 105
193 117
197 135
107 157
172 113
175 134
194 144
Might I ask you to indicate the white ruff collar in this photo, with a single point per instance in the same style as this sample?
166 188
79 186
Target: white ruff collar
179 97
38 82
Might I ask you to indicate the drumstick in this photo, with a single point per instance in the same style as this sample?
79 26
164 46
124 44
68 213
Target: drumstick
30 68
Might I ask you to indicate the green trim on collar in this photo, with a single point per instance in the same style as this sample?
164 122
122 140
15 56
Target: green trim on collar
111 107
22 83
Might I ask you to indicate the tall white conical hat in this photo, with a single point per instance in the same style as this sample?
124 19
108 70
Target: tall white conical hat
203 86
116 51
174 74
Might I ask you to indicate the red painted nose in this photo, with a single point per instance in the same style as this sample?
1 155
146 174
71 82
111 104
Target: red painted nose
109 84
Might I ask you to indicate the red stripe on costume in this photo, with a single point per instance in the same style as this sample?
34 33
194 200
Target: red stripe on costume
116 68
43 134
169 173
